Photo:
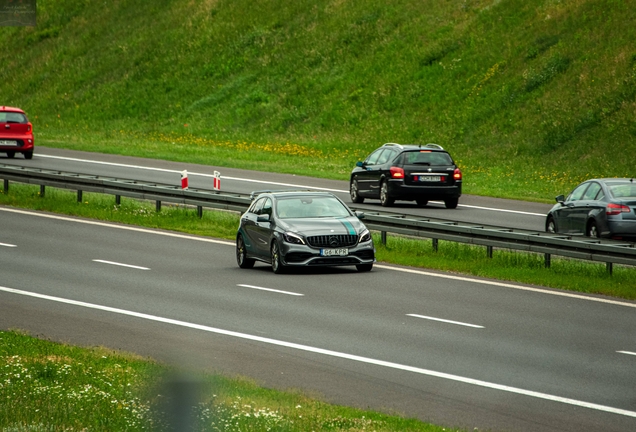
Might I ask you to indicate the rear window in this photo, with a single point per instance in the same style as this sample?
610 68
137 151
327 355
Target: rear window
623 190
12 117
426 157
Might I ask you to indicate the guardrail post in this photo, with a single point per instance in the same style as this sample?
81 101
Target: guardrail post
158 206
489 251
79 196
383 237
6 185
117 199
610 267
548 258
200 211
435 244
42 190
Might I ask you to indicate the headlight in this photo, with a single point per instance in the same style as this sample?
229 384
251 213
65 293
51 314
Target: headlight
293 238
365 236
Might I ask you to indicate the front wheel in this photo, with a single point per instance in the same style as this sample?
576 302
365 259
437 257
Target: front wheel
385 200
277 265
353 191
364 267
592 230
421 202
550 225
241 254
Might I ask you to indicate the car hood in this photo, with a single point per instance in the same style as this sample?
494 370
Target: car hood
322 226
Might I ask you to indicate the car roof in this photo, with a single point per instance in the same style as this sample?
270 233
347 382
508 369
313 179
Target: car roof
12 109
406 147
291 193
612 180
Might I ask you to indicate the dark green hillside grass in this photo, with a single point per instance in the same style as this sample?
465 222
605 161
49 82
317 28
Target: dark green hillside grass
539 93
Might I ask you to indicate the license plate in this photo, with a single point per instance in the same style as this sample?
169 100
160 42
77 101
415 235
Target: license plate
8 143
334 252
429 178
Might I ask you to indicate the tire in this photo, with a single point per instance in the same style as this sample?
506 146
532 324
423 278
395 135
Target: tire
550 225
592 230
421 202
241 254
10 154
451 203
28 155
385 199
364 267
277 266
353 191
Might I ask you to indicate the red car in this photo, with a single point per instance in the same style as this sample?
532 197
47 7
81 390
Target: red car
16 132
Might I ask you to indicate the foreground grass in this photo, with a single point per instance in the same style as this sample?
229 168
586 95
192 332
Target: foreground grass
514 266
46 386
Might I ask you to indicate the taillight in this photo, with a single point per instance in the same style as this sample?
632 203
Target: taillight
614 209
29 127
397 172
457 174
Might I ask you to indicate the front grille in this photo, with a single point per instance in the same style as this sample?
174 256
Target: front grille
332 241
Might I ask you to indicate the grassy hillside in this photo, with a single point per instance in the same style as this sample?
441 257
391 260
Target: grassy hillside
530 96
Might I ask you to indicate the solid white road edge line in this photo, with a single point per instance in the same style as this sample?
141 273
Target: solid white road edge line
627 352
270 289
444 320
330 353
257 181
7 245
120 264
386 267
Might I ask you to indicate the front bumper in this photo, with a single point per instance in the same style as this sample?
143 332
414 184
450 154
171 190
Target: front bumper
304 255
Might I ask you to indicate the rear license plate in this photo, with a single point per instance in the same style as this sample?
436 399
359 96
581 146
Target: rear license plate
8 143
334 252
423 178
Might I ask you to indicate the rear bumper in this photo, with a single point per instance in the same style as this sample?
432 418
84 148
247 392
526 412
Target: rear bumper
622 228
399 190
24 144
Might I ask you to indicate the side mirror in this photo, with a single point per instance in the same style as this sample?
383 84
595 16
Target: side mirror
262 218
360 215
360 164
560 199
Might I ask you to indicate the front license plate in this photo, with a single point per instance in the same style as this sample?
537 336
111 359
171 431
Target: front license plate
334 252
8 143
429 178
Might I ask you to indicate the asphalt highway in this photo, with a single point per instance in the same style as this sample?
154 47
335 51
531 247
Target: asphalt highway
456 351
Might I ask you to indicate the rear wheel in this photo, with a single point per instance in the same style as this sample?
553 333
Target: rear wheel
592 230
277 266
451 203
10 154
28 155
353 191
550 225
421 202
241 254
364 267
385 200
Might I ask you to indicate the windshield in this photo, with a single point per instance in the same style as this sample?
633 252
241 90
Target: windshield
310 207
623 190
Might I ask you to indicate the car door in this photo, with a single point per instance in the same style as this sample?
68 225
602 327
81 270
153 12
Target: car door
369 177
263 228
250 227
585 207
567 214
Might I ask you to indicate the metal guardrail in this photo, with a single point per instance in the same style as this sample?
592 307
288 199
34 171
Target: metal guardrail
599 250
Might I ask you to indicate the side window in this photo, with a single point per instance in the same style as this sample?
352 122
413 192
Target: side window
578 192
257 206
267 207
373 157
591 191
386 155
